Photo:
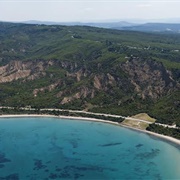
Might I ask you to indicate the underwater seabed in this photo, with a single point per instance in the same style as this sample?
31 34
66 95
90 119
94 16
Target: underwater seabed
52 148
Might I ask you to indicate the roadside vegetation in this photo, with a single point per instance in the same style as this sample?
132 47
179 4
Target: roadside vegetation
164 130
18 111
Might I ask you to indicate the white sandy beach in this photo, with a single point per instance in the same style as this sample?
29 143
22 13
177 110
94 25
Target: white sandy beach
168 138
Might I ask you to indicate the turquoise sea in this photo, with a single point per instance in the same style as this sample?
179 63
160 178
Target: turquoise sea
51 148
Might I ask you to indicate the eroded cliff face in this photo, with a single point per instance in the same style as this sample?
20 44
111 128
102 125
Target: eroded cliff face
27 70
146 78
150 78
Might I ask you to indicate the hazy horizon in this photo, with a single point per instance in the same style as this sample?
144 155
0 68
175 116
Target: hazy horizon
135 21
89 10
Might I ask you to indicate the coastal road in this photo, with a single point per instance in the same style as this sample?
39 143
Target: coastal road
91 113
77 111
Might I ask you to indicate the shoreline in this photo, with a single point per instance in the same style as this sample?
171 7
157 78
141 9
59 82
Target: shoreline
160 136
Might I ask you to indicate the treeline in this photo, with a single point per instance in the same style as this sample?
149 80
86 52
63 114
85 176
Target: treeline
167 109
164 130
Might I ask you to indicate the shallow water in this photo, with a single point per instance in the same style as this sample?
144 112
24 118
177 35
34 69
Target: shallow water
50 148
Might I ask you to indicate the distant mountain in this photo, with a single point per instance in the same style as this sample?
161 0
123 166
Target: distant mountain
168 20
112 25
121 25
40 22
155 27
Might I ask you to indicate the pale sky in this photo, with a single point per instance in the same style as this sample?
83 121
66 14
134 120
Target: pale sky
87 10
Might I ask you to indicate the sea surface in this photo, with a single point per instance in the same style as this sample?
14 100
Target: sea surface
51 148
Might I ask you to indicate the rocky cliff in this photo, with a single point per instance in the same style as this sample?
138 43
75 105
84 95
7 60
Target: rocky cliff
147 78
28 70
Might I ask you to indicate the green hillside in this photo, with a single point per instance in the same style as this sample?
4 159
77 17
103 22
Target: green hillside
100 70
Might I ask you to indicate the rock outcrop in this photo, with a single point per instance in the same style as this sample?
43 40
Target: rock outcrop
150 78
146 78
28 70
